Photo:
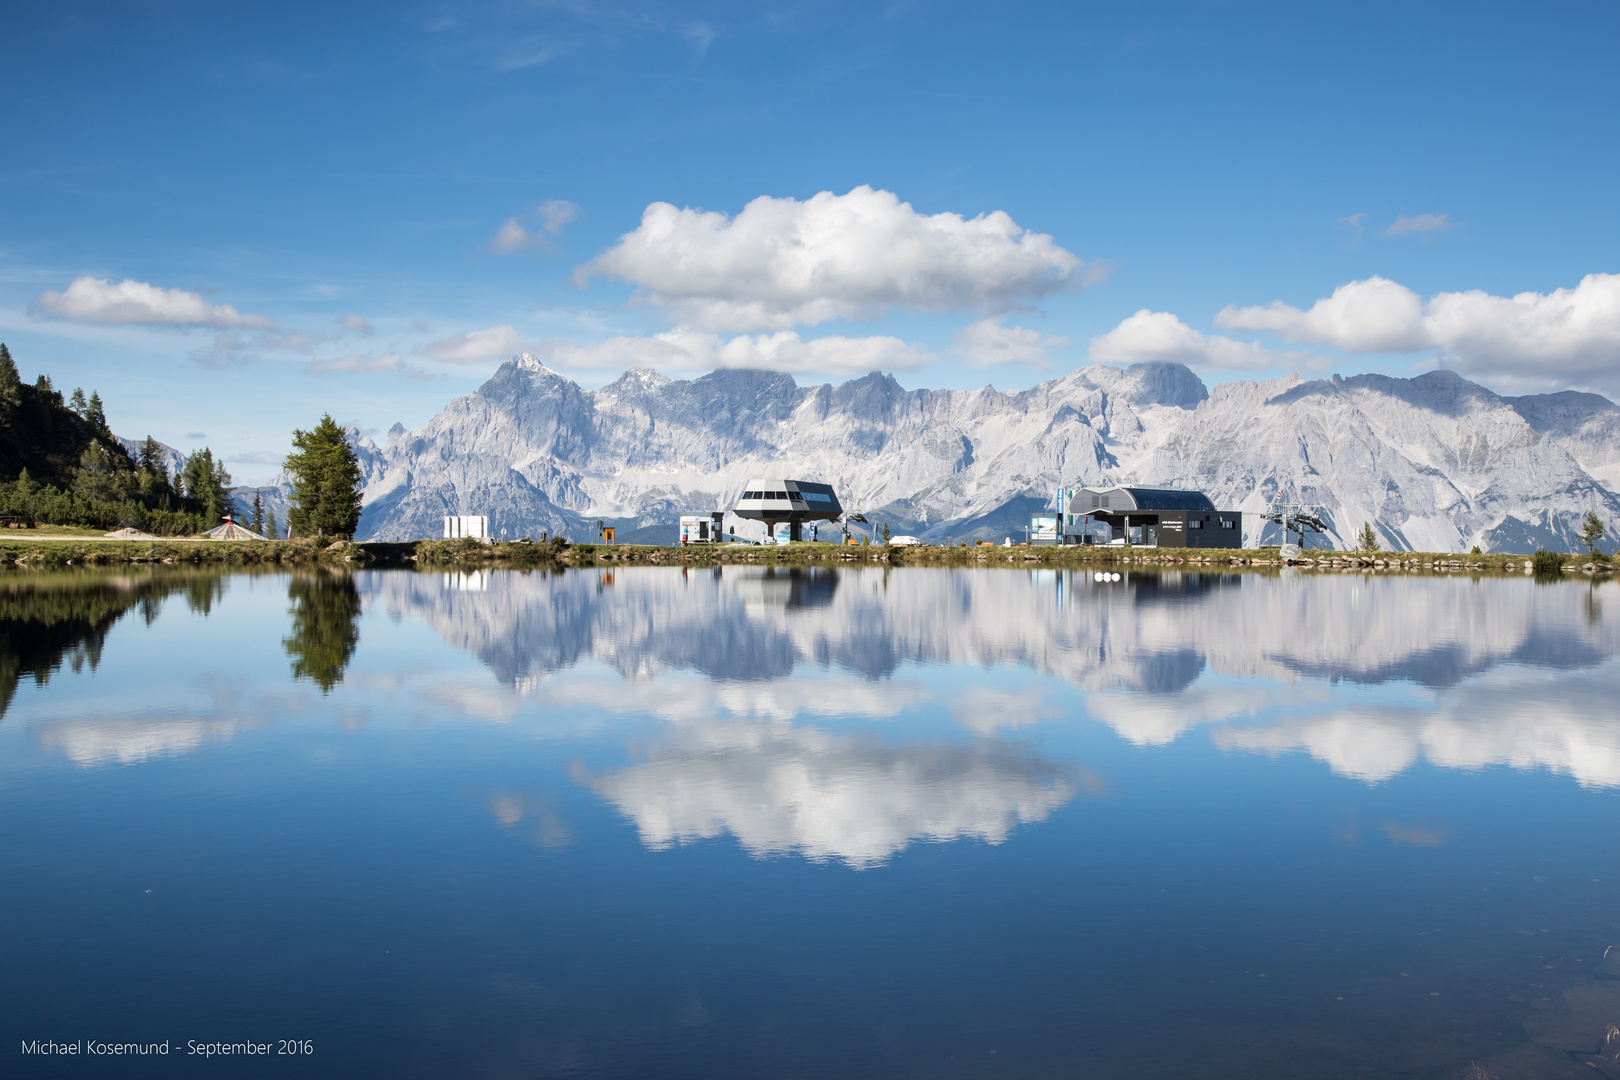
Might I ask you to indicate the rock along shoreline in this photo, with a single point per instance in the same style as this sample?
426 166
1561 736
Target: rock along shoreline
426 554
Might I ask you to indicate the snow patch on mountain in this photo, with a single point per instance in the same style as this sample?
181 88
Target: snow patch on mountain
1434 462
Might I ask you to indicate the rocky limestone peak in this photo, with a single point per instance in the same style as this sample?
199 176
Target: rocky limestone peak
1434 462
1164 384
868 398
637 381
1564 412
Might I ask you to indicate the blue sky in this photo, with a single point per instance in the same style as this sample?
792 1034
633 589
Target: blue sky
195 198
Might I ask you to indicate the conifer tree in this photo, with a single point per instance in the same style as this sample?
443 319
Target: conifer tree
1591 532
221 483
150 457
10 385
257 520
76 402
1368 541
96 478
273 530
206 482
326 482
96 417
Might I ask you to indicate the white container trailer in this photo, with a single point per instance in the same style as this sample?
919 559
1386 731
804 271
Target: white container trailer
466 527
701 528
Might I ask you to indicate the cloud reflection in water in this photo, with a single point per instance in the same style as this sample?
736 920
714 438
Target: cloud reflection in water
779 789
1497 671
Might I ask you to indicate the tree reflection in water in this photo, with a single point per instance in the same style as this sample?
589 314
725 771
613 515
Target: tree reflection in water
46 621
325 627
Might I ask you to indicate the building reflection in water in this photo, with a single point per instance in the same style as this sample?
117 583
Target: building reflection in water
1468 673
757 681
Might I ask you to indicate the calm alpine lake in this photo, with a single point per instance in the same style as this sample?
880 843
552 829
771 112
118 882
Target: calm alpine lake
811 823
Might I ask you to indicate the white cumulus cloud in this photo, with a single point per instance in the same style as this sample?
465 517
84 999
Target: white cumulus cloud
1567 333
696 350
514 236
1158 336
987 343
1375 315
477 345
95 300
782 263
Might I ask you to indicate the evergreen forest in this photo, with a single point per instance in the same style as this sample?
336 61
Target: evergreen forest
60 463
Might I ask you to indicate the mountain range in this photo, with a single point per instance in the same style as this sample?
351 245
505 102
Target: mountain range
1435 462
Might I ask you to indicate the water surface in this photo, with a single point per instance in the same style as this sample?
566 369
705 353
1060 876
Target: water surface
916 823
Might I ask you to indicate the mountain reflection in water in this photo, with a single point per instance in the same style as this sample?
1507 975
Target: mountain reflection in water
1494 671
802 823
745 667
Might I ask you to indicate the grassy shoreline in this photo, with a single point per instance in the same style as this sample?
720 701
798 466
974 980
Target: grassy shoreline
89 551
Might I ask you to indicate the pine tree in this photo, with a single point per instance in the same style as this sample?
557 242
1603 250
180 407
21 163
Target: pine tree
150 457
326 482
96 478
272 530
220 481
205 482
1368 541
257 520
77 402
96 417
1591 532
154 478
10 385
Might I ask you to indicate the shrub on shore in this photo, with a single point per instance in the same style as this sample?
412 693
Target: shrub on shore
1547 562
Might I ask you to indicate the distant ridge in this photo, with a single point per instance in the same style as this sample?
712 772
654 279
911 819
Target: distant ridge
1436 462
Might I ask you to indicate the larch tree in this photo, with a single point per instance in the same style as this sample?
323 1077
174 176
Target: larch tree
1592 532
326 482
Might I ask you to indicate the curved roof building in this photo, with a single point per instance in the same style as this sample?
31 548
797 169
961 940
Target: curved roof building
1154 516
1118 499
794 501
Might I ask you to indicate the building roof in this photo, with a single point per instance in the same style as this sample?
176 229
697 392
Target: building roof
232 531
1116 499
764 499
